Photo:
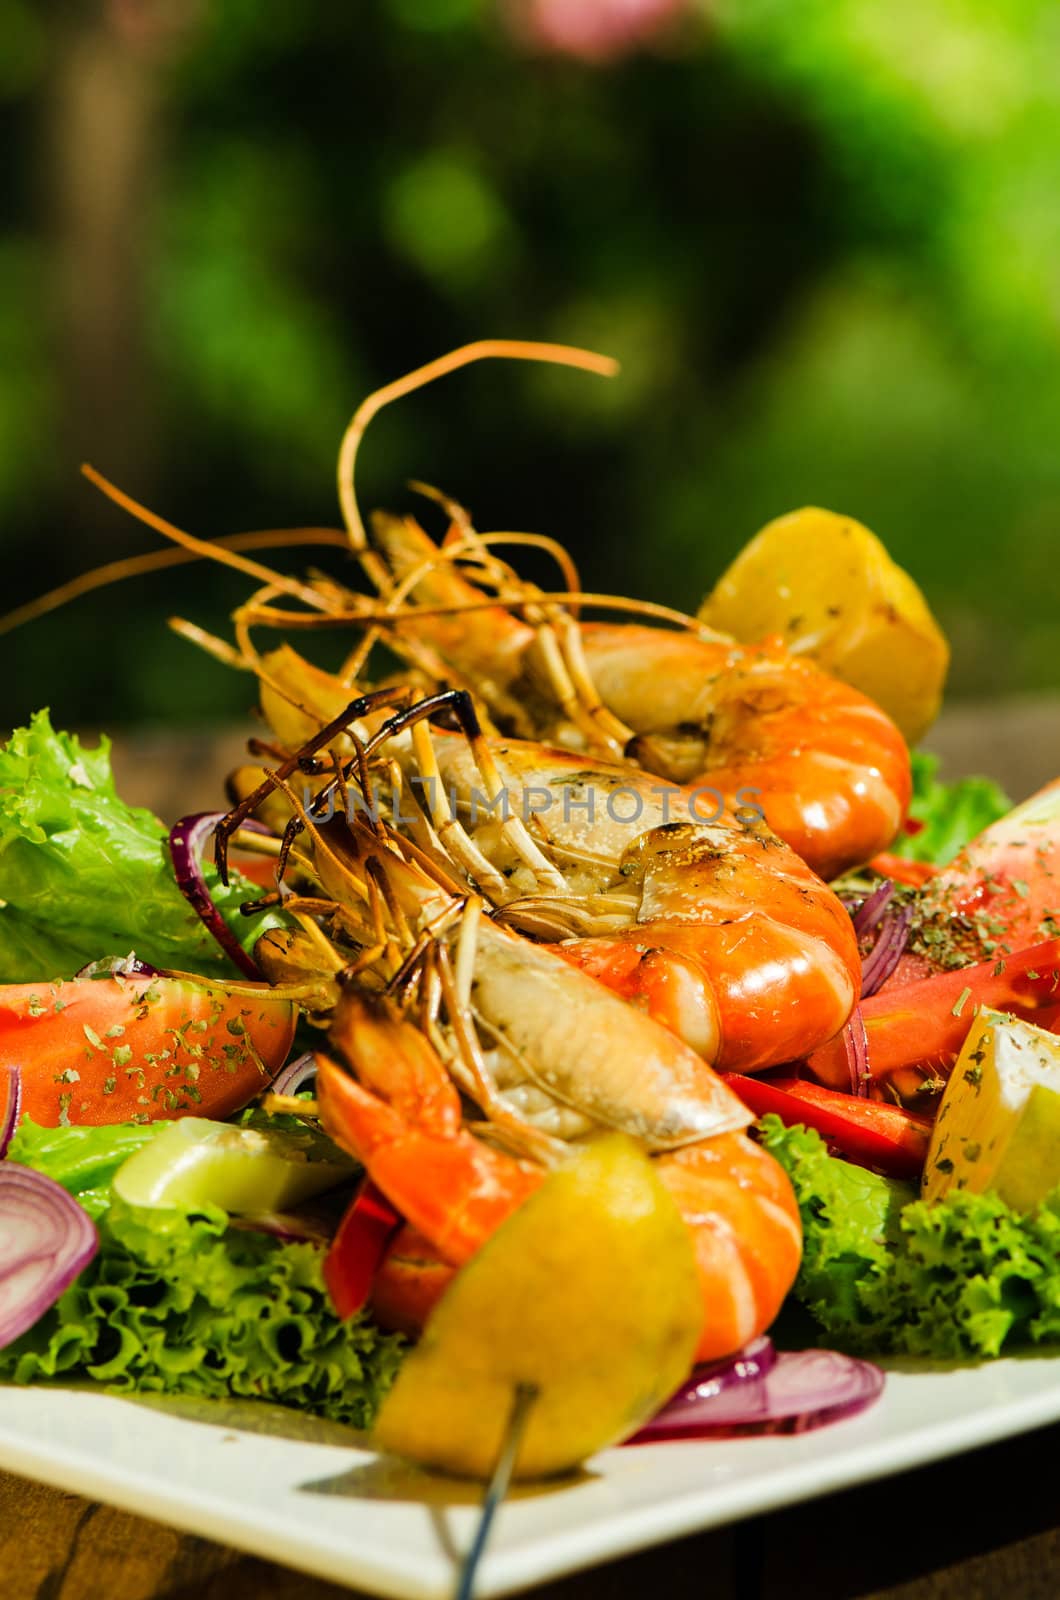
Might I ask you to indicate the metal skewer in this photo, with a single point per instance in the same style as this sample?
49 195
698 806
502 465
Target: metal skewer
523 1399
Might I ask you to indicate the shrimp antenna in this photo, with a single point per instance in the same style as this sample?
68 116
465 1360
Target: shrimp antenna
203 547
561 355
157 561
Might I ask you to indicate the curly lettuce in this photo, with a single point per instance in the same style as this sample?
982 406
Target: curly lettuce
884 1274
83 875
182 1303
949 814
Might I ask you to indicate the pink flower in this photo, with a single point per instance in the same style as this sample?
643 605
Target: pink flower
593 30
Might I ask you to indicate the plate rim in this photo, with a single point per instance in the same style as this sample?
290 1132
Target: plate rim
408 1573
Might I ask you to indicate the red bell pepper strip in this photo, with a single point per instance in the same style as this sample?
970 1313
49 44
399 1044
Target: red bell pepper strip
867 1132
357 1249
924 1024
913 873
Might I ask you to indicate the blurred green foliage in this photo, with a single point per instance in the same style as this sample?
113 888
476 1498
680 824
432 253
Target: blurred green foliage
821 235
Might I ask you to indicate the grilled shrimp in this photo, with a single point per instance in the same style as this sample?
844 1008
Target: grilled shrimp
708 921
439 1001
385 1095
829 768
718 928
540 1043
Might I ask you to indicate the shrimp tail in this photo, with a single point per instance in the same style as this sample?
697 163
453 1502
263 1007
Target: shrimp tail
404 1126
742 1214
743 1219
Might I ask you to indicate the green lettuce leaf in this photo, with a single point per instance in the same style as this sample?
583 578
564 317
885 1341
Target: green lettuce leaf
180 1303
951 813
84 1160
83 875
885 1274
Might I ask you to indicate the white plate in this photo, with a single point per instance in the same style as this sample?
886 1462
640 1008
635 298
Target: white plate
302 1493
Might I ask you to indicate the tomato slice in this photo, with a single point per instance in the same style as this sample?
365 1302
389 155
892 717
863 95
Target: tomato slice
143 1049
357 1249
1007 881
867 1132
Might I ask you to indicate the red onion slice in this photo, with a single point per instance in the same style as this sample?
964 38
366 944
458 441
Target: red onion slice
871 909
856 1043
186 841
875 915
45 1241
296 1075
10 1105
877 967
800 1392
711 1377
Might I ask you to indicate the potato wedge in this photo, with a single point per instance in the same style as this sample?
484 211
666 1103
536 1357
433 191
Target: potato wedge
588 1293
829 588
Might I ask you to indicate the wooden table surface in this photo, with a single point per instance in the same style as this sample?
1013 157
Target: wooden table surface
983 1526
979 1527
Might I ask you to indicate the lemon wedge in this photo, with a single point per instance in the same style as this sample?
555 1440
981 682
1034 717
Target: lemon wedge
587 1295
